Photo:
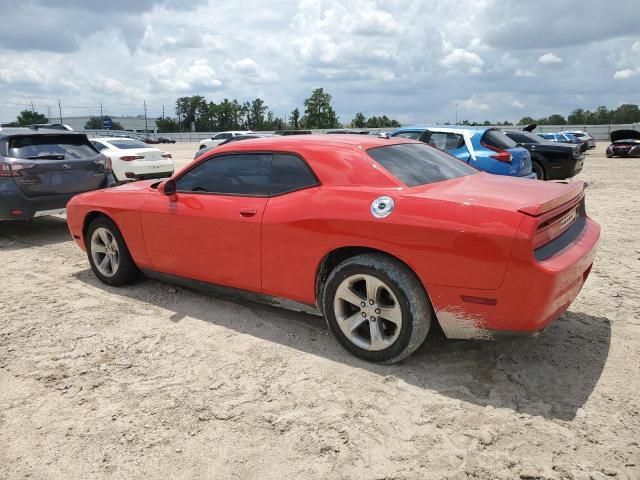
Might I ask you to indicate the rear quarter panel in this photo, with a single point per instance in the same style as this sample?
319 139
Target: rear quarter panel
444 243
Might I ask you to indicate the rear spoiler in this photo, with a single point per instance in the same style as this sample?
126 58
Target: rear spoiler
574 189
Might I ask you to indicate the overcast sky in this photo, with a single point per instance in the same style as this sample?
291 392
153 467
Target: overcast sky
413 60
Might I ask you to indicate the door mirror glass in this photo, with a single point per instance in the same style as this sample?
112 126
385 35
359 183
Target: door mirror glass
169 187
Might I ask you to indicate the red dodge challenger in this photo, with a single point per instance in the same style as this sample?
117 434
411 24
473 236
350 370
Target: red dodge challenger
382 236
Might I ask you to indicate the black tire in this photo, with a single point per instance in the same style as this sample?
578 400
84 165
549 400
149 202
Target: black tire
416 309
127 270
538 170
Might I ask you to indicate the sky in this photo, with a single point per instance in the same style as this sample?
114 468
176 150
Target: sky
416 61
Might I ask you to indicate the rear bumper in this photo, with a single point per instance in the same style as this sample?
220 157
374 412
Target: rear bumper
13 200
533 294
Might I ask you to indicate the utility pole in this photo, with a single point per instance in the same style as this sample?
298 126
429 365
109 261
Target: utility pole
60 110
101 118
146 127
456 113
163 112
32 109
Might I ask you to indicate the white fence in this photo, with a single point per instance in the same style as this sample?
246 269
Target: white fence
599 132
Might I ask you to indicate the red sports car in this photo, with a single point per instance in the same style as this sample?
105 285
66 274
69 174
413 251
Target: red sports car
382 236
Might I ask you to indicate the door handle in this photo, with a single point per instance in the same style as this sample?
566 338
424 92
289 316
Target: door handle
248 212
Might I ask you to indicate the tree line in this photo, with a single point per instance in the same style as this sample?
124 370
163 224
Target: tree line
208 116
626 113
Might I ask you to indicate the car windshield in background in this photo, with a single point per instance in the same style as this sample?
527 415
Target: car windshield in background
51 147
417 164
498 139
127 144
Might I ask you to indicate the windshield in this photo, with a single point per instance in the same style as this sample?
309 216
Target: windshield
51 147
417 164
127 144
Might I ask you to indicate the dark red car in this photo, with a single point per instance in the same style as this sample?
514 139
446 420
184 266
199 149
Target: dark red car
624 143
383 236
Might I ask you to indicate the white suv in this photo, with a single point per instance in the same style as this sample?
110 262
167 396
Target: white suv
218 138
591 142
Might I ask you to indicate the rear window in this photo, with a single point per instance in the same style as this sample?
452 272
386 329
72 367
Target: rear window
51 147
417 164
497 139
128 144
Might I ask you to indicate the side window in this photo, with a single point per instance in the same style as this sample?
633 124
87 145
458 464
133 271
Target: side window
245 174
410 135
99 146
289 173
438 140
454 141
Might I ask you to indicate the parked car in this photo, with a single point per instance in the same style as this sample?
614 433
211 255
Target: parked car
218 138
583 136
486 149
40 170
165 140
624 143
52 126
150 140
564 138
133 160
549 160
232 139
383 236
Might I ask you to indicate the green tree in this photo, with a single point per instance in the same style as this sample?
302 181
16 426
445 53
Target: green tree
318 111
626 113
577 117
359 121
95 123
295 119
257 110
166 125
556 119
526 121
192 109
27 117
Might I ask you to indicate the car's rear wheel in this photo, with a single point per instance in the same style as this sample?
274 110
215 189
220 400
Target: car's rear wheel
108 254
538 170
376 308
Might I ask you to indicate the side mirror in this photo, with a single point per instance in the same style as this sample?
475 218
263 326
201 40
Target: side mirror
169 189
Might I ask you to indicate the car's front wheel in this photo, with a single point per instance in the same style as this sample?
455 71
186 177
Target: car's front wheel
377 308
108 254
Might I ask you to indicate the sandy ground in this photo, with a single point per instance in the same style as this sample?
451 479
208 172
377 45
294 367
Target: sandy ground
154 381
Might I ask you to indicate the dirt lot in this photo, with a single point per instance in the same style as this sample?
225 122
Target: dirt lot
156 381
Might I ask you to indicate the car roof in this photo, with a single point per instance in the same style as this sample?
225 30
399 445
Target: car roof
13 131
443 128
362 142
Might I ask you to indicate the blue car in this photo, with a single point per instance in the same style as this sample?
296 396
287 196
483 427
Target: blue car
487 149
560 138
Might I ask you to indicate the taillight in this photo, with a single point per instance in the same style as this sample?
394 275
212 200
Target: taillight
553 226
14 169
128 158
166 155
501 155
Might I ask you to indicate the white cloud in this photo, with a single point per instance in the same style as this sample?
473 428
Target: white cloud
549 58
196 77
249 71
517 104
474 105
523 72
460 56
625 74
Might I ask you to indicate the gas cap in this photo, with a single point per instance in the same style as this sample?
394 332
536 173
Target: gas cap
382 207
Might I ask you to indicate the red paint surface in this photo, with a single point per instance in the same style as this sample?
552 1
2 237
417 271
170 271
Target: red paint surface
462 237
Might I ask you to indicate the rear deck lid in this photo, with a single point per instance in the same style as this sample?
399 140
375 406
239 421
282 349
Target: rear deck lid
51 164
622 135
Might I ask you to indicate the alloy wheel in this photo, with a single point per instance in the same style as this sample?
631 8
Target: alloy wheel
105 252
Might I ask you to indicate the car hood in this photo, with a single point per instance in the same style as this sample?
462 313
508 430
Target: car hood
618 135
501 192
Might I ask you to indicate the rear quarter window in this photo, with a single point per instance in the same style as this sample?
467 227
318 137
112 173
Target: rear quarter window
418 164
497 139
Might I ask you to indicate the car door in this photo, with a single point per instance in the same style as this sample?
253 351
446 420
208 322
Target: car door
211 232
